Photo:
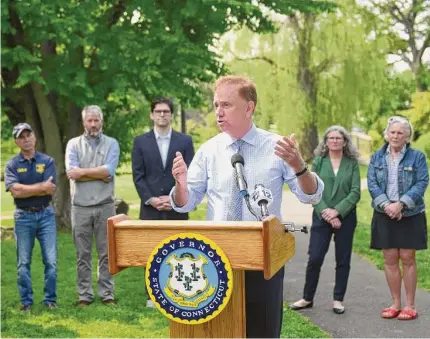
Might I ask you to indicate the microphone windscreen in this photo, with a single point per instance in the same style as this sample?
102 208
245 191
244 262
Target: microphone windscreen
237 158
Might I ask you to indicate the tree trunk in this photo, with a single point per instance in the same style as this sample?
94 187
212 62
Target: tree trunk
307 78
54 147
309 141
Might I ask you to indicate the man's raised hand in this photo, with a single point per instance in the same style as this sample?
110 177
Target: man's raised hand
179 169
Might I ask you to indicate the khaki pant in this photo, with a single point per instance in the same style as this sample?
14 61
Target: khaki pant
86 223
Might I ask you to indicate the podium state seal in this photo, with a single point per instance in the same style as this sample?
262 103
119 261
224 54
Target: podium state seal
189 278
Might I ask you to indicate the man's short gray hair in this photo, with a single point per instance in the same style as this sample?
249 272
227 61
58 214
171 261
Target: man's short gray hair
404 122
92 109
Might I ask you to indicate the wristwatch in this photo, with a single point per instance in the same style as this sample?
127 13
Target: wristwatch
403 205
303 171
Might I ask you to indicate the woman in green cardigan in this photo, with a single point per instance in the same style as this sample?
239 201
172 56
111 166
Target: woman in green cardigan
336 164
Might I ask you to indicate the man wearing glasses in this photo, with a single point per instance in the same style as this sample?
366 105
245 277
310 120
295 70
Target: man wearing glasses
152 159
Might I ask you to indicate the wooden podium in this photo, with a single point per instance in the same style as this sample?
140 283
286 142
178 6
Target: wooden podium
263 246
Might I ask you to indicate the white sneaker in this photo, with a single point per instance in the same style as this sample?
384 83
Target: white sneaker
150 303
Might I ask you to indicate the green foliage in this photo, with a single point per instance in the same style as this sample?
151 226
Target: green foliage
203 131
6 128
423 77
118 55
377 139
348 66
423 144
394 94
419 113
8 150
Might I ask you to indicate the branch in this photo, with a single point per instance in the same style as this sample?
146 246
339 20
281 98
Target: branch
426 44
118 10
323 66
261 58
295 24
405 59
271 62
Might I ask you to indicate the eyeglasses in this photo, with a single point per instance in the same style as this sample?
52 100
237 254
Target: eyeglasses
160 111
335 138
397 118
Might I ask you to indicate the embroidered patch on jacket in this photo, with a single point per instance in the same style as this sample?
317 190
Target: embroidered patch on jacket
21 170
40 168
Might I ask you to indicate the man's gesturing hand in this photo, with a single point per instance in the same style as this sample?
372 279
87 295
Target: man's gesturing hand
286 149
179 169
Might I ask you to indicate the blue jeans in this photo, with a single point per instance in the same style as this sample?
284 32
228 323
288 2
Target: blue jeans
28 226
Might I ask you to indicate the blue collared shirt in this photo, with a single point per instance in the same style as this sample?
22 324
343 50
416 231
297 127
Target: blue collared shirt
28 172
112 158
211 173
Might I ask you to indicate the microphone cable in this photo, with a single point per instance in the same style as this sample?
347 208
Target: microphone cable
248 204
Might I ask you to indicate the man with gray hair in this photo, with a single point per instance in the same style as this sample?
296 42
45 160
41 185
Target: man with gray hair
91 160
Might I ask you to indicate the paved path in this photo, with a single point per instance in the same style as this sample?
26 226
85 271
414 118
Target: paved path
367 291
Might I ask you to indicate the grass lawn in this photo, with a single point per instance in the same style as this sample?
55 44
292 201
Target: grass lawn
128 319
362 239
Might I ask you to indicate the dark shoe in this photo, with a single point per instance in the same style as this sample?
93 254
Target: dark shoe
296 307
338 308
84 303
51 305
109 302
25 308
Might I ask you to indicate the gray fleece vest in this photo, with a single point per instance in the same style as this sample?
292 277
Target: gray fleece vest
96 192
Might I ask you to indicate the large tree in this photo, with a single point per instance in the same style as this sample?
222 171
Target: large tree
407 24
318 70
60 55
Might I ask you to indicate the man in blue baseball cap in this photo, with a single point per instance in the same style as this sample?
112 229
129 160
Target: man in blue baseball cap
21 127
30 177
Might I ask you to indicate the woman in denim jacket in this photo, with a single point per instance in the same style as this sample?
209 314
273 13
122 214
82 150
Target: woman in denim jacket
397 179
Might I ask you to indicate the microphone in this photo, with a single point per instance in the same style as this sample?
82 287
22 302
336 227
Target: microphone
262 197
238 163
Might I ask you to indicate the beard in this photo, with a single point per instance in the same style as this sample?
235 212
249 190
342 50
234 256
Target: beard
93 133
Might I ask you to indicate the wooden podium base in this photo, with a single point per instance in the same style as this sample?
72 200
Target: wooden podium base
230 323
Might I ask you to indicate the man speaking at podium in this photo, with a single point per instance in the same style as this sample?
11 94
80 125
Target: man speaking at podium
268 159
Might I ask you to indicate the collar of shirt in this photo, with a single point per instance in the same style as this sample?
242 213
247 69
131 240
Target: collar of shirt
250 137
22 159
167 136
388 151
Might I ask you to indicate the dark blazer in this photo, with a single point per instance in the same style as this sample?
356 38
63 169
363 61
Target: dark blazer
149 176
342 191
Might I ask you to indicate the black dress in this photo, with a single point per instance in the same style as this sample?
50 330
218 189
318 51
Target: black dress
408 232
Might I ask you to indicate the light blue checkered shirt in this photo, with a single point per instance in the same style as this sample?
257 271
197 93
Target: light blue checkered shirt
210 172
393 173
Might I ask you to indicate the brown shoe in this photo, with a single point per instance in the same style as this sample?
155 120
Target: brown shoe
84 303
109 302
